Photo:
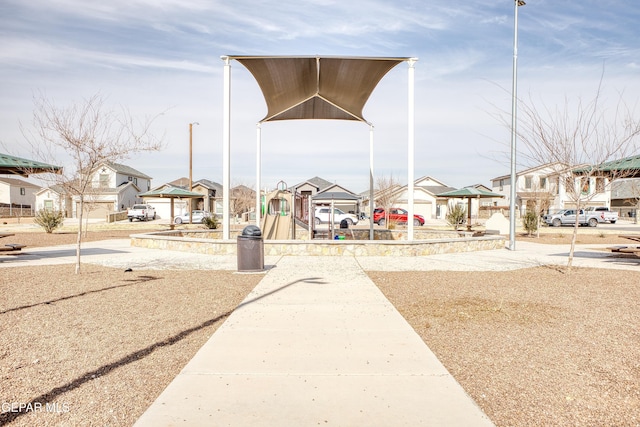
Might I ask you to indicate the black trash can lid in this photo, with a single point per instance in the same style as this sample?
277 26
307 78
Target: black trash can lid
252 230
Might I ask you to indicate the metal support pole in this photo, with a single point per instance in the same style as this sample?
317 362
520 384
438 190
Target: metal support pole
411 149
514 111
371 200
190 170
258 173
226 151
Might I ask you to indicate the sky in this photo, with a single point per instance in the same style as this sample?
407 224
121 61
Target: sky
163 58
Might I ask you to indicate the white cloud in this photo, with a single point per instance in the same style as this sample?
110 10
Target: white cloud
163 55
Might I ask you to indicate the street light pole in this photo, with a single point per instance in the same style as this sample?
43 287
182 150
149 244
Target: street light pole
514 111
191 169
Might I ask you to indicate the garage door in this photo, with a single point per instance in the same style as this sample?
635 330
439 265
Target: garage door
98 210
419 208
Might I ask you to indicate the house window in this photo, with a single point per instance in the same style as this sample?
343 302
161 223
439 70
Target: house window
135 181
48 205
599 185
22 191
130 178
543 182
528 182
501 184
585 185
104 180
569 185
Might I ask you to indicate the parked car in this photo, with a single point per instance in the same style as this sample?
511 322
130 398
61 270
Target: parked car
141 213
197 217
397 215
606 214
323 216
568 217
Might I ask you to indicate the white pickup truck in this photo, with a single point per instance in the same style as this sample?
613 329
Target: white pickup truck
141 212
568 217
606 214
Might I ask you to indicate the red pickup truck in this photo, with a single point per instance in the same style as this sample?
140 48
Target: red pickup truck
397 215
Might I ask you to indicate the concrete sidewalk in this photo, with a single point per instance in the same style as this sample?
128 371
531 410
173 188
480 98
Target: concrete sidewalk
315 343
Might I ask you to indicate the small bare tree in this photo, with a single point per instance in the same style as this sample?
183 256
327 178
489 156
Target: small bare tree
88 133
580 138
539 199
386 194
243 199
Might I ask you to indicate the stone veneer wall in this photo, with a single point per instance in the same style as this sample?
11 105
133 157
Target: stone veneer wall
173 240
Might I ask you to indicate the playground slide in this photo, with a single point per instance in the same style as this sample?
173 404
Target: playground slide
276 223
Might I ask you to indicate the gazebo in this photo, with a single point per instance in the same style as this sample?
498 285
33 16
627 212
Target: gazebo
22 167
313 88
171 193
469 193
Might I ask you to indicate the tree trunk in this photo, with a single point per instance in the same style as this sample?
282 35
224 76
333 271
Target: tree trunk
79 240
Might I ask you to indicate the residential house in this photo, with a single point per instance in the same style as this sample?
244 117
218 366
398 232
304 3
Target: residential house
114 187
551 187
54 198
17 197
425 199
625 197
343 198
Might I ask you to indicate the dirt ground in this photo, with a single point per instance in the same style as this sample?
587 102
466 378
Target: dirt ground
535 347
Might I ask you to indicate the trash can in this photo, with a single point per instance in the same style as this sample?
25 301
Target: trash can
250 249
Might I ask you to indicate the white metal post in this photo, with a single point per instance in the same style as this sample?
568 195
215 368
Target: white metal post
226 150
411 148
371 201
258 173
514 111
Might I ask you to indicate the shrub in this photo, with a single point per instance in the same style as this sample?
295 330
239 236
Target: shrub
456 215
49 220
530 222
211 222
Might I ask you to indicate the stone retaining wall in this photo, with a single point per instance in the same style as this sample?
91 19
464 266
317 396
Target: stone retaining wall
172 240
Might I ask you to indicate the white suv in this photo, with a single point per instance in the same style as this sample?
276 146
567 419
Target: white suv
323 216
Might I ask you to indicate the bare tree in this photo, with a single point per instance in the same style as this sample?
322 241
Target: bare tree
243 199
538 201
88 134
386 194
580 139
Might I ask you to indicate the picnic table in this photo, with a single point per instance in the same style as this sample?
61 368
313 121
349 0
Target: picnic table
634 250
11 247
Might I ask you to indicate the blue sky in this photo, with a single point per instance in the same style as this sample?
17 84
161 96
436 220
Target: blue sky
163 56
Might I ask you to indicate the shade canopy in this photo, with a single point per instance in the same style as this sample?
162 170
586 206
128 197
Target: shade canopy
468 192
17 166
172 193
315 87
335 196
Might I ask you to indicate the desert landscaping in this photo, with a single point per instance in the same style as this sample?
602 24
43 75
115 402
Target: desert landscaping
534 347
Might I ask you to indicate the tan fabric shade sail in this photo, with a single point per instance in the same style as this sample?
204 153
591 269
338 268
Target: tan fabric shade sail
314 88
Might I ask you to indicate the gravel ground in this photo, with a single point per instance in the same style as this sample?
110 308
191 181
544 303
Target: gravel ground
98 348
536 347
